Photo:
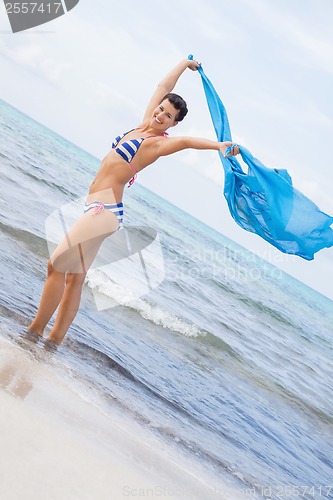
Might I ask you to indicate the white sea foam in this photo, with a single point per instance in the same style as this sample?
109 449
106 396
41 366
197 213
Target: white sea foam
133 268
166 319
107 294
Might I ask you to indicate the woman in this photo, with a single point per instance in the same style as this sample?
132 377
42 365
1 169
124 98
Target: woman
103 213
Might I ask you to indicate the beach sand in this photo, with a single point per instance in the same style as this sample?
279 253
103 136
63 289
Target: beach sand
57 444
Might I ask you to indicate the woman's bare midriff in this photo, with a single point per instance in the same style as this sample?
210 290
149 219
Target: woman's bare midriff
111 178
115 172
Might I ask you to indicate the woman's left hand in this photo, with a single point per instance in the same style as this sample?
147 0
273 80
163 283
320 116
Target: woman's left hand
224 145
193 65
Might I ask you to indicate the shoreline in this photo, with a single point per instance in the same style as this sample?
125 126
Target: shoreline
59 445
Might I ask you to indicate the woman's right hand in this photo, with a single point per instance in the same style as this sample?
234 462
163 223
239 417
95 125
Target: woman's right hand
224 145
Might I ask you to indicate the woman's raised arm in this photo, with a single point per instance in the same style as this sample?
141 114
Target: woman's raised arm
168 84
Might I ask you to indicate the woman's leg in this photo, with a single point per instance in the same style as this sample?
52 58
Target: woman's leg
72 258
71 297
68 307
51 297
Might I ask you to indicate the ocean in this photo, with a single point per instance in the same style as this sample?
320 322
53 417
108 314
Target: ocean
195 344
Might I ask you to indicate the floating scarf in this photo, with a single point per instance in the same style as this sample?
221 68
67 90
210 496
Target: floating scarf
264 201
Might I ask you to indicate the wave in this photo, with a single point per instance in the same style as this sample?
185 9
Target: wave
255 304
166 319
99 359
40 179
18 317
4 156
93 356
215 342
99 283
31 241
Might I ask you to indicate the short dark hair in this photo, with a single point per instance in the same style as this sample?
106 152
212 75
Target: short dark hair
179 103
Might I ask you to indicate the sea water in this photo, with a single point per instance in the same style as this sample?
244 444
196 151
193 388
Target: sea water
207 348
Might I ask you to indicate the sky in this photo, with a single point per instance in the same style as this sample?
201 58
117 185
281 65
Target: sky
89 75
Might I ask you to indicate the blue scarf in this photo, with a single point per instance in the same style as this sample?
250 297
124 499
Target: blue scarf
264 201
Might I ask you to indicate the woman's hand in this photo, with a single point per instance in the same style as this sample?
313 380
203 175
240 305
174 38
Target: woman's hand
224 145
193 65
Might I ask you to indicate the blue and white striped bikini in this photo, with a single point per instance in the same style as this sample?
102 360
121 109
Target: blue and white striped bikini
128 149
98 207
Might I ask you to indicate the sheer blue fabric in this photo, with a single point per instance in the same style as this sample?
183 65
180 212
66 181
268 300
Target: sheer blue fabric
263 200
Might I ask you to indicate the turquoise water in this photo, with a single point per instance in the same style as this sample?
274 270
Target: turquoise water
225 357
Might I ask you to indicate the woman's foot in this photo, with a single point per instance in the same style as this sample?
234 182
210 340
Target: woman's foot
50 345
32 336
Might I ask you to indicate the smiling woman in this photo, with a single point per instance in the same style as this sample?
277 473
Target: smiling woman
103 214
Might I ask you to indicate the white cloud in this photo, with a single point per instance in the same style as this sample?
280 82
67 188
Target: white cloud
33 56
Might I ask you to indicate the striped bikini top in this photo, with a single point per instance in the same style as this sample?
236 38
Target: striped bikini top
128 149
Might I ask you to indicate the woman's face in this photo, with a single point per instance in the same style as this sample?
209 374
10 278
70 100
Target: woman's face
164 116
